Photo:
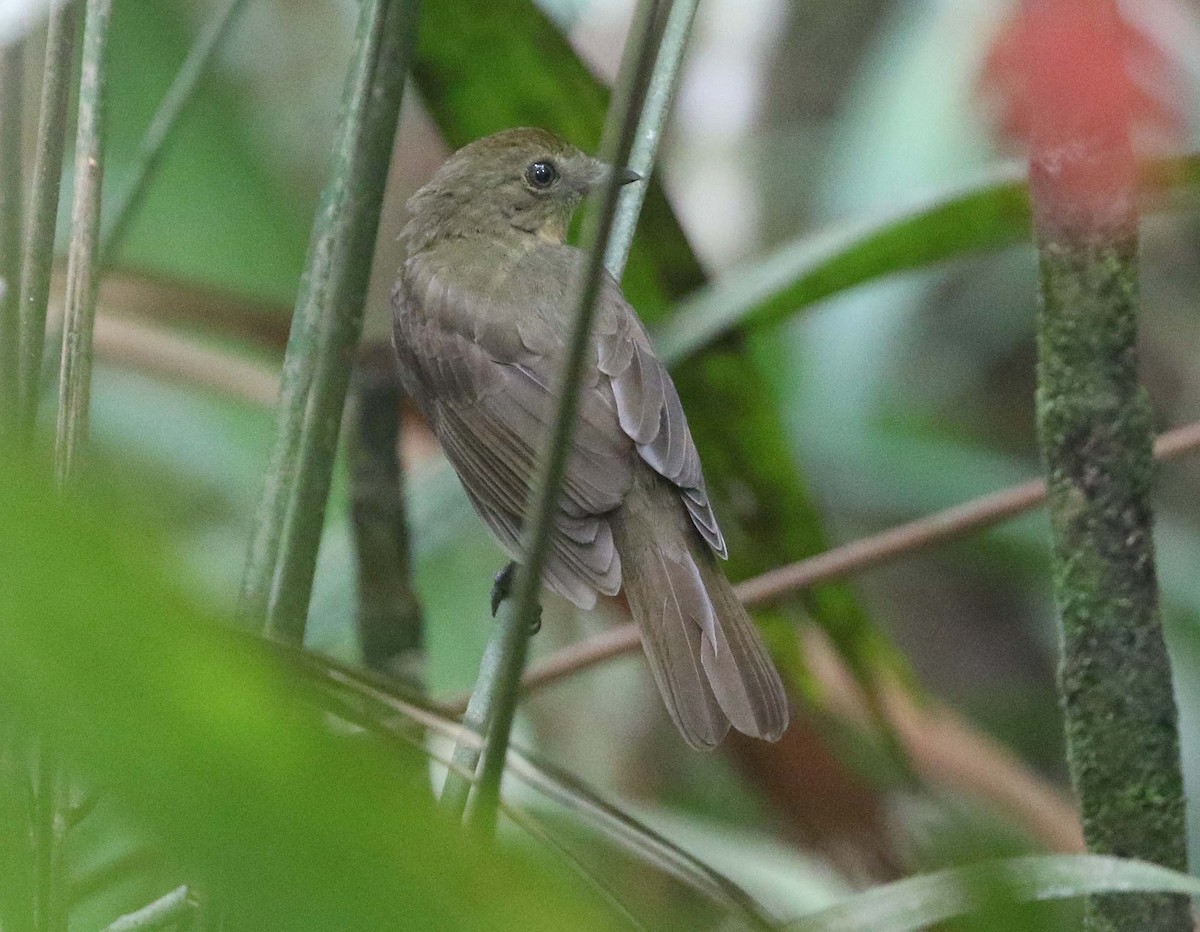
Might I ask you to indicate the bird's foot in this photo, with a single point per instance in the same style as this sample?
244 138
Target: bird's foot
502 587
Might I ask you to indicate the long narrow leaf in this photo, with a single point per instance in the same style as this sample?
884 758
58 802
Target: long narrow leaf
153 147
919 902
989 214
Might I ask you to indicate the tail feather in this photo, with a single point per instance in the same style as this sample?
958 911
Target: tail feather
706 655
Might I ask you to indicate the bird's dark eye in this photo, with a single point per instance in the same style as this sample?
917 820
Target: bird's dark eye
541 174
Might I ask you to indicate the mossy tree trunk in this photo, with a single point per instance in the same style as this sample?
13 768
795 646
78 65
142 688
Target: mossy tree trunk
1096 437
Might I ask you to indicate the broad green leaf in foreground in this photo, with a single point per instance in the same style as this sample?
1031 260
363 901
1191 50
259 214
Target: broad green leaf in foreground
207 742
932 898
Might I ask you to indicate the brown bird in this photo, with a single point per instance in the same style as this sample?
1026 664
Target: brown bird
483 310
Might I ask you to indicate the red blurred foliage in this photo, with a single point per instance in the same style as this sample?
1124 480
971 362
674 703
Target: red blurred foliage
1087 91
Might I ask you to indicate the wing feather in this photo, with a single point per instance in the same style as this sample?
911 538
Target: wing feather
489 413
649 409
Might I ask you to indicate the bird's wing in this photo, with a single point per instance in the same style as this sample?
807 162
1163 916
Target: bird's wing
649 410
489 400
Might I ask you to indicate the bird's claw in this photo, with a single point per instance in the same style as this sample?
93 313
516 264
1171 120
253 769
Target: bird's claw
502 586
502 589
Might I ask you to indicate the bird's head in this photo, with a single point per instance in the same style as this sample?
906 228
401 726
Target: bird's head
520 180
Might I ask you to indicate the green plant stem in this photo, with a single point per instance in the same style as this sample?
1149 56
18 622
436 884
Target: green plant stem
522 613
166 912
1096 431
75 378
389 613
480 713
38 260
326 327
12 67
660 93
154 144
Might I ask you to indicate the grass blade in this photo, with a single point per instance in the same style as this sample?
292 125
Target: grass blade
920 902
989 214
38 262
153 146
992 213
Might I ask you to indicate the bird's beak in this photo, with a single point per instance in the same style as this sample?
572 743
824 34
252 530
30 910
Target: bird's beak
628 175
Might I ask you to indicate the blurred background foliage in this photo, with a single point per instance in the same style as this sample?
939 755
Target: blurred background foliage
881 404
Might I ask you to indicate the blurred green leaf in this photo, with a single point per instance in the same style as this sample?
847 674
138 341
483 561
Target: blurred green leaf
987 215
993 213
206 740
382 701
918 902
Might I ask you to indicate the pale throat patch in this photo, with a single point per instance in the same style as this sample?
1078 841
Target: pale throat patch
553 231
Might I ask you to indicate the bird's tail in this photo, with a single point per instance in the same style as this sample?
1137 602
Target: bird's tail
707 657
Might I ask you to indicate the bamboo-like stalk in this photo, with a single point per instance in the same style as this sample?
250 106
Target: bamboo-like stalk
153 145
75 379
38 259
75 382
326 327
660 94
478 716
522 613
12 67
1095 429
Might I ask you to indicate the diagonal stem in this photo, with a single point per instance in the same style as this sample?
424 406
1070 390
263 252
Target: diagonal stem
523 612
660 94
153 146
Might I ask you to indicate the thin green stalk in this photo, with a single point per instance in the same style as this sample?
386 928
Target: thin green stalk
522 612
154 144
660 94
168 911
12 67
83 278
330 313
477 719
390 625
38 260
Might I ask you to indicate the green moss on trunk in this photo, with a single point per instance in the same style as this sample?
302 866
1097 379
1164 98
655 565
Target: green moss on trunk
1115 677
